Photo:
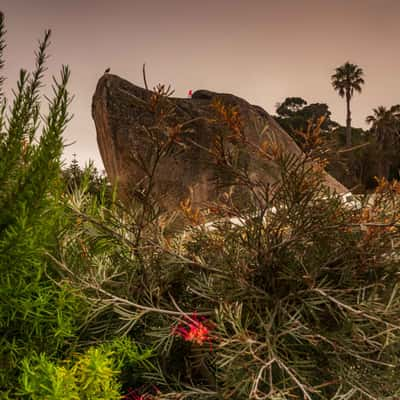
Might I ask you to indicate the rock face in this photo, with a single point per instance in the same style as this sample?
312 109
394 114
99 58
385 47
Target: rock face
130 121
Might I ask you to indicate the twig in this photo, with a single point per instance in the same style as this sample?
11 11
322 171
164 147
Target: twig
144 77
293 376
121 300
355 311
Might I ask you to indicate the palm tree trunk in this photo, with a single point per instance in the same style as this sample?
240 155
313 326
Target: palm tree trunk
348 121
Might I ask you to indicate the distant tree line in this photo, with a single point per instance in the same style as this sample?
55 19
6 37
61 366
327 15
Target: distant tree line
358 156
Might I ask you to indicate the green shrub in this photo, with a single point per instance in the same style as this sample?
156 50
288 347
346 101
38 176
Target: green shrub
37 313
42 379
92 375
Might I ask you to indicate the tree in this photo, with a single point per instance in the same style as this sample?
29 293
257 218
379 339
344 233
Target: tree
290 106
295 115
347 79
89 177
385 126
385 123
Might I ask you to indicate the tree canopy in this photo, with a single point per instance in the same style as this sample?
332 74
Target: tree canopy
295 114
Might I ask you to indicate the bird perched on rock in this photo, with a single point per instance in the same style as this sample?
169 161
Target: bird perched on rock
107 70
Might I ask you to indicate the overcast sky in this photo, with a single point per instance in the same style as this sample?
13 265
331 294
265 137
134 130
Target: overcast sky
261 50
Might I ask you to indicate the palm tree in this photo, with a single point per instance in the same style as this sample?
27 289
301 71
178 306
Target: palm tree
385 122
347 79
385 126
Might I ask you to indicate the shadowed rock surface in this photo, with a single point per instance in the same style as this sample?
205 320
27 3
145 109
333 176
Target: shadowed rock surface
126 122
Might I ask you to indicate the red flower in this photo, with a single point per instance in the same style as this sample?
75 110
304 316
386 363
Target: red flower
195 330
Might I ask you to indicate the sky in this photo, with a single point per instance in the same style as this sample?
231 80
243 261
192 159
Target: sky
261 50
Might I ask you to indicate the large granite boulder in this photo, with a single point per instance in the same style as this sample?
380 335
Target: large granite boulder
129 119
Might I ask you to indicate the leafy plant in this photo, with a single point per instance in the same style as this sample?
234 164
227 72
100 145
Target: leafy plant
93 376
36 313
298 289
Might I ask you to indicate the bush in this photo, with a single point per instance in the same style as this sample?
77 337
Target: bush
37 314
92 375
297 300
